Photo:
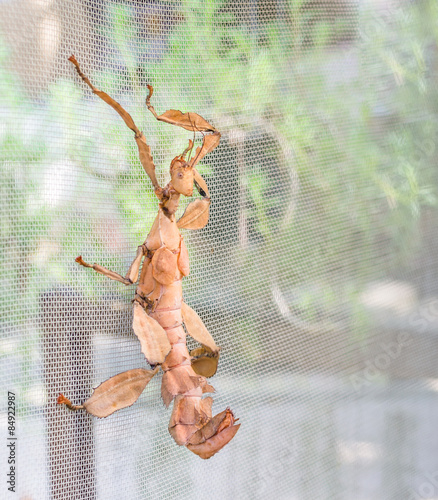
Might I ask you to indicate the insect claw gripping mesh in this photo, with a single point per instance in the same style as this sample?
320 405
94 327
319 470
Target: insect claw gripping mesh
316 273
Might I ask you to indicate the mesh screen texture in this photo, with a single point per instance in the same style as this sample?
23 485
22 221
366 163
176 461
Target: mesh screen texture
317 273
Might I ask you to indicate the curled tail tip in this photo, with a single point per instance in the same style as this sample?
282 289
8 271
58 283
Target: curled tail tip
219 431
214 444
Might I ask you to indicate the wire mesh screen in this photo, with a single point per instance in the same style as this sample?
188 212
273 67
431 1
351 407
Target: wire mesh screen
316 274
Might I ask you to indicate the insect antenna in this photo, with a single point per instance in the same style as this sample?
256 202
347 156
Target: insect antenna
188 148
195 129
191 149
194 138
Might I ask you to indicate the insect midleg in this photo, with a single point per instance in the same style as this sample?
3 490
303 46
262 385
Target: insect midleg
132 274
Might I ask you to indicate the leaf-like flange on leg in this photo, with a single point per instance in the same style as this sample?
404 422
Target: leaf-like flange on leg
118 392
197 212
209 142
132 274
164 266
200 184
189 121
196 215
204 361
153 339
196 328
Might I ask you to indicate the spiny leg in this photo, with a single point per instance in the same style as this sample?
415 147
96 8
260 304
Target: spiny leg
189 121
132 274
143 149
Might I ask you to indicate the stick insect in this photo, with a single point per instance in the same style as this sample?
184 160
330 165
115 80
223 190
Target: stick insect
159 311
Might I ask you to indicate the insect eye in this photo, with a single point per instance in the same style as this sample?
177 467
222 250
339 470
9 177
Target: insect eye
180 175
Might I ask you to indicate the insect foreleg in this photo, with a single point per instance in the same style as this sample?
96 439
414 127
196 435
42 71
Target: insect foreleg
189 121
131 276
143 149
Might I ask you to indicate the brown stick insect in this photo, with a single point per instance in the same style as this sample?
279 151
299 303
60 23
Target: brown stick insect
161 317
